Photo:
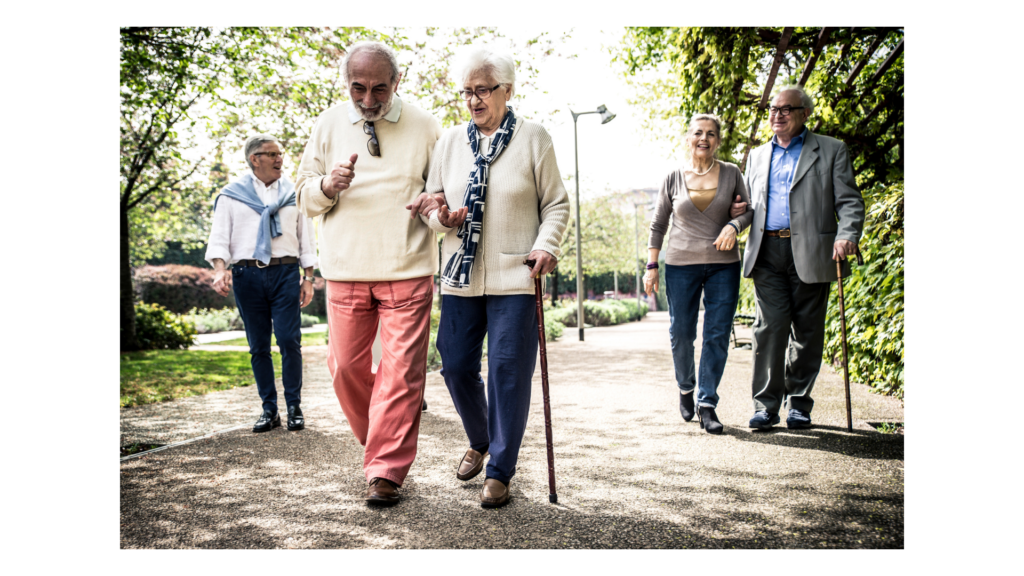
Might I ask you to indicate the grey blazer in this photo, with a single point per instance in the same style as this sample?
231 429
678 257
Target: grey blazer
824 204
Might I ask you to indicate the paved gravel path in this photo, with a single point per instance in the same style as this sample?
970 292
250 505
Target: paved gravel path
631 473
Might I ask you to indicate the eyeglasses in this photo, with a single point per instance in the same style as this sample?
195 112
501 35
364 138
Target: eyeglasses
271 155
784 111
481 93
373 145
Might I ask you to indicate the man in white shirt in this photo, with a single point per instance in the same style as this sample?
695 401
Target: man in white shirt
259 230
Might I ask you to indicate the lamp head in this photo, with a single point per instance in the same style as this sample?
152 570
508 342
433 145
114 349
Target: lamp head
606 116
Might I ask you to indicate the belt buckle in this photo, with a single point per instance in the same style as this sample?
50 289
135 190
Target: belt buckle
784 233
260 264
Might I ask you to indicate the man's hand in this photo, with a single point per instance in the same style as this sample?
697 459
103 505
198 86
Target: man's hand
738 207
726 238
544 263
340 178
843 248
452 219
651 281
222 281
425 204
305 293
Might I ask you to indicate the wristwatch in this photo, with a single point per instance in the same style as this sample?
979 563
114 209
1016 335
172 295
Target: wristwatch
310 278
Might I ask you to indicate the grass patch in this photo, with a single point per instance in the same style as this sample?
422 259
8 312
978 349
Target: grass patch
161 375
888 427
308 339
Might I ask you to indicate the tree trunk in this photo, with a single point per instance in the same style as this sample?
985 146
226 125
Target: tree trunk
554 287
129 341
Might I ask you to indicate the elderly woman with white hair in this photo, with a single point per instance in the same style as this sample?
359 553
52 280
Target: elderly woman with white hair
508 163
701 257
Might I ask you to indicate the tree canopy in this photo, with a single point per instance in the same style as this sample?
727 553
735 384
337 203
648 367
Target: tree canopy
855 76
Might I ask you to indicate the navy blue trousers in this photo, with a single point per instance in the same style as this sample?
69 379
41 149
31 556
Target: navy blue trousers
268 300
494 421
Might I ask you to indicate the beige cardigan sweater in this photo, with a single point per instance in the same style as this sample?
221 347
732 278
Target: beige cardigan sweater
366 233
694 232
526 207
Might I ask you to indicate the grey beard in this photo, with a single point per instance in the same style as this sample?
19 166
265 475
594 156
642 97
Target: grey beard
374 114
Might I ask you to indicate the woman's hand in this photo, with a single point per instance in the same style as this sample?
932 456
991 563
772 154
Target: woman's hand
544 263
726 238
452 219
651 281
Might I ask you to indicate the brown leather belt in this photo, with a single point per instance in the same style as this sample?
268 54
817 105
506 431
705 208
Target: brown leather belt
273 262
784 233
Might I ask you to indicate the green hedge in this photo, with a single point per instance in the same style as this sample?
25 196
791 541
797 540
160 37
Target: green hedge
598 312
158 329
874 301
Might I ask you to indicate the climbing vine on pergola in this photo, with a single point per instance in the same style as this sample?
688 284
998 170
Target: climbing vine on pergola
855 76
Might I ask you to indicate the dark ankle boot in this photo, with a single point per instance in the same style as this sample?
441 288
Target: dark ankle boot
709 420
686 405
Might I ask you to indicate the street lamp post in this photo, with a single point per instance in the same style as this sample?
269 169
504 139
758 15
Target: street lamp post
606 117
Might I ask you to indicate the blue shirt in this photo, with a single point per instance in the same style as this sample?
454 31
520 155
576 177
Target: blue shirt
780 179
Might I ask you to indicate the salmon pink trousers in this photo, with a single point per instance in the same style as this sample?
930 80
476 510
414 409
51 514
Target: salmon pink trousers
383 408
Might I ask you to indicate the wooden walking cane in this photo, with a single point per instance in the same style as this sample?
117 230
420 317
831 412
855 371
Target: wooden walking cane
552 495
842 323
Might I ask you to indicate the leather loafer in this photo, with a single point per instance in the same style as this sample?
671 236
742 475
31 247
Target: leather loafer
424 405
295 419
763 420
471 465
798 419
267 422
382 492
495 494
686 406
709 420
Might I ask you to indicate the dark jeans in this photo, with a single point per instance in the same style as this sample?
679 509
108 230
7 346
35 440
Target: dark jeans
494 422
789 332
721 286
268 299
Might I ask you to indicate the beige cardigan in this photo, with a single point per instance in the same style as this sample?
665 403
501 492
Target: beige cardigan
526 207
365 231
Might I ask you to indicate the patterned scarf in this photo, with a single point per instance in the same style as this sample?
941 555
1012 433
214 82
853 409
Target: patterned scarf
460 268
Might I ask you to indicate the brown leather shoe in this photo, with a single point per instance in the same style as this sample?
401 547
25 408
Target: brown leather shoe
494 495
382 491
471 465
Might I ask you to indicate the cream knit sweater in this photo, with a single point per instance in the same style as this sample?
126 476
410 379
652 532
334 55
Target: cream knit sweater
526 207
365 231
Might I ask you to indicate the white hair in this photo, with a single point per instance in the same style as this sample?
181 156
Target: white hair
253 144
378 49
687 151
477 59
805 100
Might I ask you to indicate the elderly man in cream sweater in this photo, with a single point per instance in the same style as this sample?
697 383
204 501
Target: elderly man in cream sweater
378 263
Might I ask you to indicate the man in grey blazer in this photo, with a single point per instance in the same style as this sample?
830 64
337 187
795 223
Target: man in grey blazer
807 213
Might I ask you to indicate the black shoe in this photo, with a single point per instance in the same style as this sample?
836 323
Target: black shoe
267 422
295 419
798 419
424 404
764 421
686 406
709 420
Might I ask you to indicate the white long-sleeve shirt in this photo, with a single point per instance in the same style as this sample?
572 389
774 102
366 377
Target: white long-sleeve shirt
235 226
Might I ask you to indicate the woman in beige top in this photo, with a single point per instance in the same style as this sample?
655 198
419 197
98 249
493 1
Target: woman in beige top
701 256
507 162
